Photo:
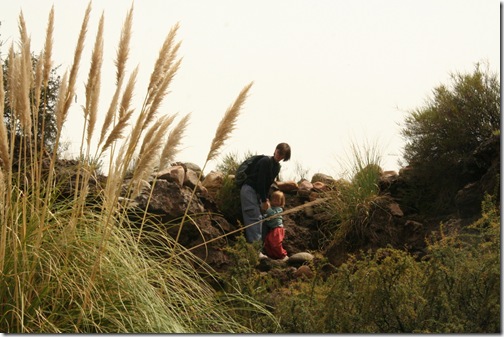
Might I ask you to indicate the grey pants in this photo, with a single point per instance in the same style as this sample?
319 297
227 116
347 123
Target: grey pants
251 211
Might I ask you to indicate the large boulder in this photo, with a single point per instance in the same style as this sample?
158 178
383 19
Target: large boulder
169 199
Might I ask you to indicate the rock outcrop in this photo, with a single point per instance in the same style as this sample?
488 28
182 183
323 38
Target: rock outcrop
391 220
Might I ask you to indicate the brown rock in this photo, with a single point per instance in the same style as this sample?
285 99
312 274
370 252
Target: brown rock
174 174
324 178
304 188
303 272
287 186
395 209
191 180
319 186
213 182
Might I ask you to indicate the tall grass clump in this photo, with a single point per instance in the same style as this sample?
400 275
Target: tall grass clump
75 263
350 203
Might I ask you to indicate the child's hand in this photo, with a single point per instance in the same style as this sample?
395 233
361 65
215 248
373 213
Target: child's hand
265 205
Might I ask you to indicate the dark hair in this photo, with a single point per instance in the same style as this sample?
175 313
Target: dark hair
284 150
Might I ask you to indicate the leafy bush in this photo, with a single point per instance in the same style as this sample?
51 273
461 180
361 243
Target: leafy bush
455 289
379 293
463 278
442 135
243 278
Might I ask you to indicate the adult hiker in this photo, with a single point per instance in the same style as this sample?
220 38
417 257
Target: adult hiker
255 189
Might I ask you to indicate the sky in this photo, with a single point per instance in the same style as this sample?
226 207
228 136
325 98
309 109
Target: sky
328 75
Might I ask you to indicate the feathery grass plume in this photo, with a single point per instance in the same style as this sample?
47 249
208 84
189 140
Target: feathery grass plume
70 92
151 134
120 62
60 105
41 80
90 111
35 116
164 54
124 43
11 81
109 117
227 124
24 78
22 28
174 138
20 84
37 89
154 98
165 69
160 93
4 142
48 48
115 177
46 60
93 84
167 154
117 131
149 156
128 94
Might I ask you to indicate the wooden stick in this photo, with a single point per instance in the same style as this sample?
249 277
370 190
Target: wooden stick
292 210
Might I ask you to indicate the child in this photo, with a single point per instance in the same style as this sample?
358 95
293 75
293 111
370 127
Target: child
274 229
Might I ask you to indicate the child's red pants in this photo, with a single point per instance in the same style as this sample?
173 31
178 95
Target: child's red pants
273 243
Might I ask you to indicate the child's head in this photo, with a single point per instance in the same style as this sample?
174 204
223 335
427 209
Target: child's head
277 199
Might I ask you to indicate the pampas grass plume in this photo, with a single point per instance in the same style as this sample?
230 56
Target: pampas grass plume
227 124
174 139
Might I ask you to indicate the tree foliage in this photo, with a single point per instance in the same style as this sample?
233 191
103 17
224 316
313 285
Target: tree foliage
455 121
46 121
442 135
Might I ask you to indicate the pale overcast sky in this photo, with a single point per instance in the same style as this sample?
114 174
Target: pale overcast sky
327 73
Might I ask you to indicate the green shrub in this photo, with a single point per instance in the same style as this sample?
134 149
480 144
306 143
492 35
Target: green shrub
244 279
442 135
379 293
463 278
455 289
228 200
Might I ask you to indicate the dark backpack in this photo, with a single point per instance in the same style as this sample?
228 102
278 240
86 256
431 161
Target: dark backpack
245 169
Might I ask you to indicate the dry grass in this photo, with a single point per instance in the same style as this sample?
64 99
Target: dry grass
68 267
227 124
93 84
174 140
4 142
223 132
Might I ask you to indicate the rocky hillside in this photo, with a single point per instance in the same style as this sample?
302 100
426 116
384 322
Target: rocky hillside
394 219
